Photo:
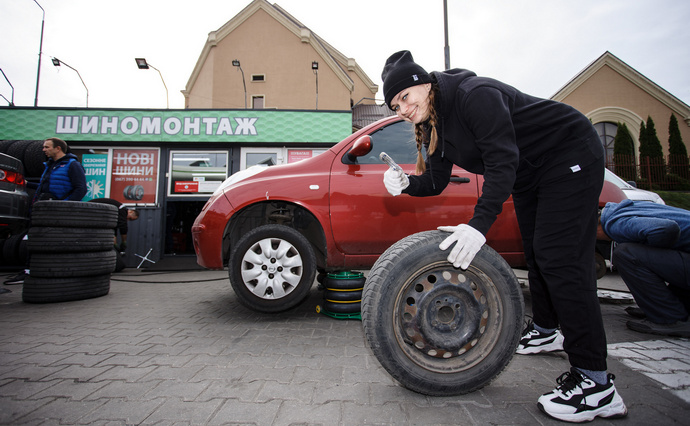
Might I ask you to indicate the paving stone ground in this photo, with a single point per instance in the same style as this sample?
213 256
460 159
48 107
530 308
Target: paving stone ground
178 349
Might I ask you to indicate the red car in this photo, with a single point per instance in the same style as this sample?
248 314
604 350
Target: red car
275 227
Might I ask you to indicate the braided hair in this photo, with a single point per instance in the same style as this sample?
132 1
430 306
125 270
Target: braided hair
423 134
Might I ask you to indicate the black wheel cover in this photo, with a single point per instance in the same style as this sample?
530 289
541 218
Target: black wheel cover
436 329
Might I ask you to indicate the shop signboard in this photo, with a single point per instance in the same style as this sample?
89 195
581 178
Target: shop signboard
146 126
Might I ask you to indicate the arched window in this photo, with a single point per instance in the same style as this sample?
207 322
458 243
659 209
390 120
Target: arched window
607 133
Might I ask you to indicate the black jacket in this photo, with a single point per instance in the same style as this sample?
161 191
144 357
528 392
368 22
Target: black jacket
490 128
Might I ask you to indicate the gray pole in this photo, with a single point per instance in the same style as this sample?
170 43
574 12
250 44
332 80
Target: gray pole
445 26
40 52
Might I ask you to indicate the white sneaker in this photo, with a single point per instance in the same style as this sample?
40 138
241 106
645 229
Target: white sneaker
534 342
579 399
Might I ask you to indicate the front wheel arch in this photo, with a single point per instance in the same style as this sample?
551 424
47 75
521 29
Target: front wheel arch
288 214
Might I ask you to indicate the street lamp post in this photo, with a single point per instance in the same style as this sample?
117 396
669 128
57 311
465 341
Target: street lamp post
40 52
315 68
8 82
236 63
143 65
57 63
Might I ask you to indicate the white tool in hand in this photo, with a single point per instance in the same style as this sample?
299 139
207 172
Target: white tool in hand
394 179
388 160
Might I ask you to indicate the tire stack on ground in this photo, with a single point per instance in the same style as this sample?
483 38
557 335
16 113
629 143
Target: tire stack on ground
71 251
342 296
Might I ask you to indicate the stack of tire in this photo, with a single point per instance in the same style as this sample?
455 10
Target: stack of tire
71 251
342 296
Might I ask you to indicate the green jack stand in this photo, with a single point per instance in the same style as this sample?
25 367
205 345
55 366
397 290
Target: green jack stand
354 315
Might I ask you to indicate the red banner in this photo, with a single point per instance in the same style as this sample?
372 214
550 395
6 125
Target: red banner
134 176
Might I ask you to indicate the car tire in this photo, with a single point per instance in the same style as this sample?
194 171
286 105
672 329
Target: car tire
56 290
34 159
272 268
14 251
67 265
49 239
436 329
5 145
73 214
17 149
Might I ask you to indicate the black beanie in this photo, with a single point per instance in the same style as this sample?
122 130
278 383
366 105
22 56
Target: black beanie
401 72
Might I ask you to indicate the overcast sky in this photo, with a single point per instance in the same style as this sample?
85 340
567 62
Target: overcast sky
535 45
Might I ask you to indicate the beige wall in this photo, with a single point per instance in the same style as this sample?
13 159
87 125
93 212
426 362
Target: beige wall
265 46
608 96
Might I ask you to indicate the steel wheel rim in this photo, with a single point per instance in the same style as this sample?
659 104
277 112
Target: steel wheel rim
445 319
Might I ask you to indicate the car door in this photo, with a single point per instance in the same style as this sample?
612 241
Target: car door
366 219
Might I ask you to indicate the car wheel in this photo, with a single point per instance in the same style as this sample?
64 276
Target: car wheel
272 268
436 329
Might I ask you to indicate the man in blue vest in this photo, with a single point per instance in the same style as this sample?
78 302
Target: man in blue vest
64 177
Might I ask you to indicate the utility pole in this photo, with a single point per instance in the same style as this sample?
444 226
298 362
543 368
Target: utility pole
40 52
445 27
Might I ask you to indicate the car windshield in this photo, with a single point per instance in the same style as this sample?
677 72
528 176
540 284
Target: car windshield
613 178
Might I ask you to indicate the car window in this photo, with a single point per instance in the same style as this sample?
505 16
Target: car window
396 140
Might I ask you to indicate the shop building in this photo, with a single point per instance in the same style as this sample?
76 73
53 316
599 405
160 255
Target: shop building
167 163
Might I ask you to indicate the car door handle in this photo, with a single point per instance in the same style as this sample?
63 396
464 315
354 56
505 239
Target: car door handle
458 179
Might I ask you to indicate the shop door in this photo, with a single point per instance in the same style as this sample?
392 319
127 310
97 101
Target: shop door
179 217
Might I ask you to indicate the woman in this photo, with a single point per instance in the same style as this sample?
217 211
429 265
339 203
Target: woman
549 157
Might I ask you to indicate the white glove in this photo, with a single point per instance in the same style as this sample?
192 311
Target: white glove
468 241
395 181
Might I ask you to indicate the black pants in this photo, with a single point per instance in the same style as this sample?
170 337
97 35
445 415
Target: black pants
646 270
558 222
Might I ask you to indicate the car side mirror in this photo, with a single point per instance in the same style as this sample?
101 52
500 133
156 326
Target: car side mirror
362 146
632 183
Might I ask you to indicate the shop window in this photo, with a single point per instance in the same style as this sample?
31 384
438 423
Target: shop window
196 173
607 133
128 175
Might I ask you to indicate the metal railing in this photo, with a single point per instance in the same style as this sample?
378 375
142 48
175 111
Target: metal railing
670 173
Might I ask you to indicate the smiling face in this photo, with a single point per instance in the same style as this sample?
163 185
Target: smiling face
412 104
